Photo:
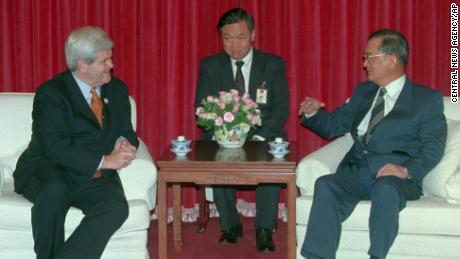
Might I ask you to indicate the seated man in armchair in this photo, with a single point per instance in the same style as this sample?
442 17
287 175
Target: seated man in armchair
399 134
78 142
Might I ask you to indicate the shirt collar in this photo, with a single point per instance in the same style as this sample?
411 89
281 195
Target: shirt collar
247 59
395 87
85 88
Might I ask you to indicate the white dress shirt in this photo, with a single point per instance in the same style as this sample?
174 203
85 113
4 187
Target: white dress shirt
394 88
246 68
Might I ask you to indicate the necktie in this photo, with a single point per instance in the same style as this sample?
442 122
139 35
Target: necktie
239 78
376 115
96 105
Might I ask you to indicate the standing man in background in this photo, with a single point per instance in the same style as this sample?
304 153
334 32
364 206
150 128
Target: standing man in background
263 76
81 134
399 133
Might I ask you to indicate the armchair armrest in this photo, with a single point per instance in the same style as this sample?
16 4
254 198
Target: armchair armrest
7 166
323 161
139 179
1 178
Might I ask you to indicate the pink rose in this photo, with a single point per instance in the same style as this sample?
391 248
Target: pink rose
218 121
249 103
255 120
222 103
228 117
236 107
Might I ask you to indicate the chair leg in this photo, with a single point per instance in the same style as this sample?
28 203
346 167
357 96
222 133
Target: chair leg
204 210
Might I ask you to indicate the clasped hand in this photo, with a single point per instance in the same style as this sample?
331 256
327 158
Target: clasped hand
122 156
392 169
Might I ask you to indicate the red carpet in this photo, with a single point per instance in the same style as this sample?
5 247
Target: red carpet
206 245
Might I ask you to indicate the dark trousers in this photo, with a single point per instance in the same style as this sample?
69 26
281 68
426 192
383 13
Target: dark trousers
267 196
53 192
334 199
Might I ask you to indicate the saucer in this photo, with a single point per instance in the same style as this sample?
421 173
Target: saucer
181 153
279 155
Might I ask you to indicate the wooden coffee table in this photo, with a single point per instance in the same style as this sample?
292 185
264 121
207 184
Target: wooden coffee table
206 164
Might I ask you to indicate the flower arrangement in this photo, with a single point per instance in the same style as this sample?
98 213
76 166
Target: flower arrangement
227 112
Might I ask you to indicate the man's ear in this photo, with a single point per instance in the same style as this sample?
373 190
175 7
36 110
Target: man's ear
253 35
81 65
392 60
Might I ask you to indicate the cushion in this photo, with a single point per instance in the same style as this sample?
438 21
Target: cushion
16 119
16 214
451 109
323 161
8 164
307 171
435 182
2 169
453 187
427 216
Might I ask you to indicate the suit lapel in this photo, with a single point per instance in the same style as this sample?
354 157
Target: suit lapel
256 76
78 100
227 73
402 106
257 73
364 107
107 98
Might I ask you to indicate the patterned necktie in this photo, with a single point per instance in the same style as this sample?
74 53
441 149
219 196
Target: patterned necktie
376 115
96 105
239 78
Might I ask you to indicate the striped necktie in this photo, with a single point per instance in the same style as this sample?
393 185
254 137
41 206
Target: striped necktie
376 115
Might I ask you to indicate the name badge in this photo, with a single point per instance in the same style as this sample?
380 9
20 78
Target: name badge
262 94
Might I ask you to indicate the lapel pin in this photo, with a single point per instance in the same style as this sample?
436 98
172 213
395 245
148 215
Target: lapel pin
106 101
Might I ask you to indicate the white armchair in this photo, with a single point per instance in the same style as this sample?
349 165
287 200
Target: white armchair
428 228
139 183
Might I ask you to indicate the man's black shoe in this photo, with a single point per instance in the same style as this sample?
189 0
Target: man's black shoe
264 240
231 236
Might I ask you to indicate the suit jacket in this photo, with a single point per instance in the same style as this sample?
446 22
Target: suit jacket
65 132
216 75
412 135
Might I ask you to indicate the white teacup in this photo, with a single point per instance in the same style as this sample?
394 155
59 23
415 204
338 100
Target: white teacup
278 146
181 145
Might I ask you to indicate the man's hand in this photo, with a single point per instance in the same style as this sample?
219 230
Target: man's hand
310 106
121 156
392 169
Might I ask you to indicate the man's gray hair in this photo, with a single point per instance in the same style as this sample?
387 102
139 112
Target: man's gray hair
84 43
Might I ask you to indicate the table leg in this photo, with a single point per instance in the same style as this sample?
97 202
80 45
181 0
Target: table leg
162 220
177 216
291 222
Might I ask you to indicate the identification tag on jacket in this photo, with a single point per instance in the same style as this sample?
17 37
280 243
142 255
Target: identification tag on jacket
262 94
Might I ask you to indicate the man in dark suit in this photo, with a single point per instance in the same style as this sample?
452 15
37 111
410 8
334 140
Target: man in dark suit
399 133
263 76
81 134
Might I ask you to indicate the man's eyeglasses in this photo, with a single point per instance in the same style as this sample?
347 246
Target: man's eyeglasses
369 58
